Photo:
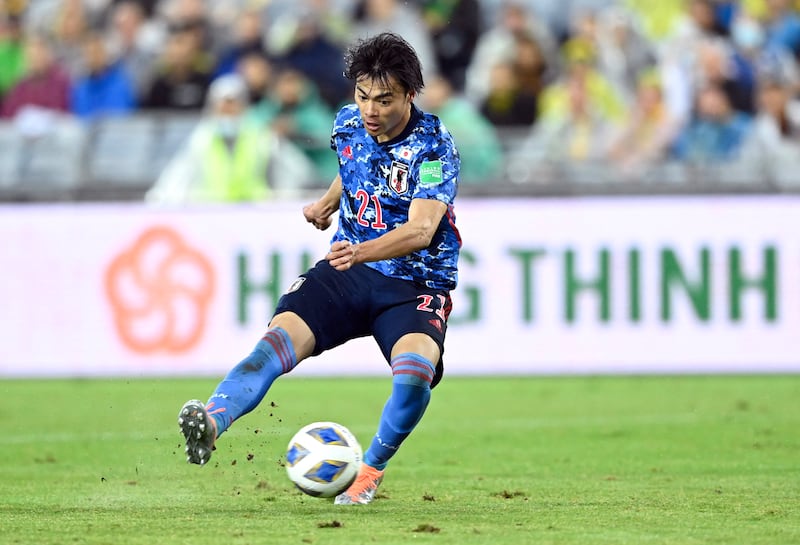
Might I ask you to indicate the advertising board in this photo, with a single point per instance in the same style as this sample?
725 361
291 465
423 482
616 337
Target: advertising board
601 285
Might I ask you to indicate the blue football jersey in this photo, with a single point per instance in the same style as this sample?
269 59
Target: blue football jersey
379 180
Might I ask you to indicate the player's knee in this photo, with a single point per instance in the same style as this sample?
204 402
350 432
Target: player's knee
298 334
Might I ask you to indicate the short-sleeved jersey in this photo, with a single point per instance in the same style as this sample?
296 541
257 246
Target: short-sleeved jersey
379 180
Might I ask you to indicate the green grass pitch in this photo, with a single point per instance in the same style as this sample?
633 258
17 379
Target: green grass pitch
515 460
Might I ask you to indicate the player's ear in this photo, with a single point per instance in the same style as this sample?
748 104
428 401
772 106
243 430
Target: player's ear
411 96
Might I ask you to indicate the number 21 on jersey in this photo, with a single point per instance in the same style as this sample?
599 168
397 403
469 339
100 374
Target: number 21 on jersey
364 201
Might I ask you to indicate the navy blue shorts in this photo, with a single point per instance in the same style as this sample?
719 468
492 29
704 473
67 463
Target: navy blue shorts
342 305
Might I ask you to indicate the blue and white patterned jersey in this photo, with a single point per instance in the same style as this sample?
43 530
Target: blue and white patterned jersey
379 180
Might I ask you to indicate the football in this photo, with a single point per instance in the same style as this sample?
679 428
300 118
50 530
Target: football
323 459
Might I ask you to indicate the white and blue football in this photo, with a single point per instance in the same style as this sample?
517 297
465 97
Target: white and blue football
323 459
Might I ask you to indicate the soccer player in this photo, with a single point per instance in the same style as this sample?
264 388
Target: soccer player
390 269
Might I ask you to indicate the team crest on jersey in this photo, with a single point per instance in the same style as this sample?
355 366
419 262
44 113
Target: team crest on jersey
398 177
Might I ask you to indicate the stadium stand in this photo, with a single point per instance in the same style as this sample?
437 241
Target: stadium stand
10 156
571 57
173 131
120 156
49 166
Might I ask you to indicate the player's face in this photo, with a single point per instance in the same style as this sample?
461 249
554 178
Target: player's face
384 109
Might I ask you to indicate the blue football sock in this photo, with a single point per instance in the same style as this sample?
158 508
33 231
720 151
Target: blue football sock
246 384
411 391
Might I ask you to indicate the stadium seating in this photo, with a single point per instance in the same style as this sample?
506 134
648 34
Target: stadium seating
10 157
173 132
121 149
51 163
119 158
126 154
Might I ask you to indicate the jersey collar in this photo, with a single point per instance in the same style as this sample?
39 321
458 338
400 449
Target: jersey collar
416 115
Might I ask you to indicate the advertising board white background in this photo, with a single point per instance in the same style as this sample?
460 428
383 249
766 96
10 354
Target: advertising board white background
609 285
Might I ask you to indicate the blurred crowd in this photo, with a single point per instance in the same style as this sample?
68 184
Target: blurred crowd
630 84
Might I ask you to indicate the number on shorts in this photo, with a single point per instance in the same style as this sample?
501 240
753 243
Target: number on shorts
425 304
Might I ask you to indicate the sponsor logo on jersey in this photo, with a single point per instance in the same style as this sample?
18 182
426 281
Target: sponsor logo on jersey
348 152
398 177
296 284
430 173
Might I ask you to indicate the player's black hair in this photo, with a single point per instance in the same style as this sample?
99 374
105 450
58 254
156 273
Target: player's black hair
383 56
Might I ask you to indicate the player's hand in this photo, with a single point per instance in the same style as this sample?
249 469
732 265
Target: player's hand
315 218
343 255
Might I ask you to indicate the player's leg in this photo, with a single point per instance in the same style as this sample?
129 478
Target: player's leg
309 319
410 329
288 341
413 371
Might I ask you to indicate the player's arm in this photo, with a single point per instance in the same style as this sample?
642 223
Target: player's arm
424 216
319 212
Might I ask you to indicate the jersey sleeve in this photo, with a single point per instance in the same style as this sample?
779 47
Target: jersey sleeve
344 125
437 170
